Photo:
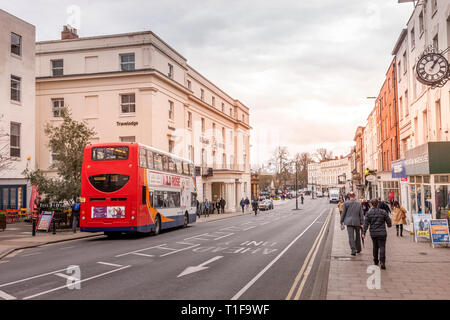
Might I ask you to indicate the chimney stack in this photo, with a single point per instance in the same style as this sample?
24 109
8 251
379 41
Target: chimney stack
69 33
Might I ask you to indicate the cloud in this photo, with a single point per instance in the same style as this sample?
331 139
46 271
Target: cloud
304 68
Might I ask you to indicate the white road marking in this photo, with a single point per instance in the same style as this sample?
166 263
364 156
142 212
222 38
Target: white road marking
30 278
124 254
66 276
75 283
143 254
179 250
110 264
6 296
200 267
259 275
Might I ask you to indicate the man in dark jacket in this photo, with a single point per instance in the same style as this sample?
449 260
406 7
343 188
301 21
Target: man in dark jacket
377 219
222 204
353 217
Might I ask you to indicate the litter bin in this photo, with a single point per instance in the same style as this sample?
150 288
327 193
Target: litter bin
2 221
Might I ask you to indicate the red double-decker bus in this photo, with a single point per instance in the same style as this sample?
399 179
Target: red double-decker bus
130 187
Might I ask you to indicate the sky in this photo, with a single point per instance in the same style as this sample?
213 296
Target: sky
304 68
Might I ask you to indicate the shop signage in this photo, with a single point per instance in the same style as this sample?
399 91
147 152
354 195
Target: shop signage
439 231
421 226
127 123
371 178
398 169
45 220
429 158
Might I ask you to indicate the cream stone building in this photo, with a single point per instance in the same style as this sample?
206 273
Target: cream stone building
135 87
17 109
330 174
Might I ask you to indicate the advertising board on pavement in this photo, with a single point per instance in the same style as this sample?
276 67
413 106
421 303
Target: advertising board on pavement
45 221
421 226
439 232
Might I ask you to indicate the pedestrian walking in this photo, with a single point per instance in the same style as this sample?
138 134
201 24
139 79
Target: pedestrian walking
301 197
206 207
255 206
197 211
218 206
247 204
340 205
75 215
242 203
353 217
376 220
399 217
222 204
365 206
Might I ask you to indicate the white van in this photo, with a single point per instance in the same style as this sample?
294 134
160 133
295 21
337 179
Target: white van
334 195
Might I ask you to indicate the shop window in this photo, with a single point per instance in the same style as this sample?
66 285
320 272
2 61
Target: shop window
426 179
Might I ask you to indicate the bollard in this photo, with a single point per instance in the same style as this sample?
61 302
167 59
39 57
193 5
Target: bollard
33 232
54 227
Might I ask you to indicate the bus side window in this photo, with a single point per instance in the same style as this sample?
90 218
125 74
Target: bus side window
144 195
151 199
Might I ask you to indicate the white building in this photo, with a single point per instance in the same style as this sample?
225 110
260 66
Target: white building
424 112
135 87
330 174
17 109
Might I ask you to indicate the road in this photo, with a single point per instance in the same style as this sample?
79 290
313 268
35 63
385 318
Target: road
278 254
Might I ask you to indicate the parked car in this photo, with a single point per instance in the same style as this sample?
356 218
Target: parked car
265 205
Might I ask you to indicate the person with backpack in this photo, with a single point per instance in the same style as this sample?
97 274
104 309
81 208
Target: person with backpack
377 219
75 215
242 203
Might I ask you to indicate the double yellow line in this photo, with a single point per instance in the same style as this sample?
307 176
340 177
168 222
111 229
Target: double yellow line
308 263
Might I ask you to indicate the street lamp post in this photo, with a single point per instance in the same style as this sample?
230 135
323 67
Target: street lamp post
296 187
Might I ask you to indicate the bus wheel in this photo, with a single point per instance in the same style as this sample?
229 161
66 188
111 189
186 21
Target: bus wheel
157 225
186 220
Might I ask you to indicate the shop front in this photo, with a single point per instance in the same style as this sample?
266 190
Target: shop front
428 177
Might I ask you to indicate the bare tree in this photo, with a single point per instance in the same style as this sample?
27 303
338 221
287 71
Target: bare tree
282 164
323 154
302 160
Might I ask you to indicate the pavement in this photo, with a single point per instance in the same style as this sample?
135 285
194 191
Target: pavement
414 271
18 236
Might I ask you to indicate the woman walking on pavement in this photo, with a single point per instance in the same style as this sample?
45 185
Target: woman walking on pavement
341 205
399 217
376 220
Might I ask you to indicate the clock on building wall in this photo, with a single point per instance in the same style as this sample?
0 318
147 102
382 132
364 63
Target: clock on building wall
432 68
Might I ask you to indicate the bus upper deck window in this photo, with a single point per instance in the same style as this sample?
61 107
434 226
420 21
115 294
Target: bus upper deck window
110 153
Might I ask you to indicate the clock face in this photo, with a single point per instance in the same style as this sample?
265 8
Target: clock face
432 68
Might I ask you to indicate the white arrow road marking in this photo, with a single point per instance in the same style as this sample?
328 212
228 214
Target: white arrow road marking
6 296
200 267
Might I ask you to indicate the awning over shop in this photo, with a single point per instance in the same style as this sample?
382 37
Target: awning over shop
429 158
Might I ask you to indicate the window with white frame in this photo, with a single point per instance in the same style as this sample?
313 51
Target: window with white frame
223 107
189 84
170 70
405 63
213 101
413 39
57 106
399 70
16 44
202 94
436 42
15 88
57 67
433 6
127 103
203 125
127 62
14 139
189 120
127 139
171 110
